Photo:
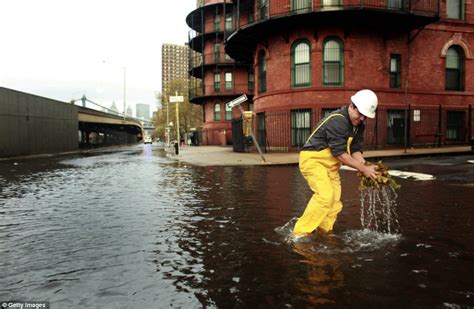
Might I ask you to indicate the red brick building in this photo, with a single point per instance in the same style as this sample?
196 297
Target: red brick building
309 56
218 78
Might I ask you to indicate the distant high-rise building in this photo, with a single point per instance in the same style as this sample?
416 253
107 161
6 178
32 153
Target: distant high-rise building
143 110
174 64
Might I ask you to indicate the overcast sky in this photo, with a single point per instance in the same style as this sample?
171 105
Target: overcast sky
62 49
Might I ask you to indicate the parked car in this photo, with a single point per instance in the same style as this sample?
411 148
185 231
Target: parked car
147 140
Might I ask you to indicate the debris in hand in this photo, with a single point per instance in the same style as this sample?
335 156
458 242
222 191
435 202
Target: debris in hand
384 179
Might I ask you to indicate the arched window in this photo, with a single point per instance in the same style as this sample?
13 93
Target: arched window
333 62
217 82
301 64
455 69
217 20
228 112
262 72
217 53
229 23
229 81
251 79
217 112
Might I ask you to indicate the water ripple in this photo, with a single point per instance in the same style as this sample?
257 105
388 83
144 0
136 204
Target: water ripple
133 229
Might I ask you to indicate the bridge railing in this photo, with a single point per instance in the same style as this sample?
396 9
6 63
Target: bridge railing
84 100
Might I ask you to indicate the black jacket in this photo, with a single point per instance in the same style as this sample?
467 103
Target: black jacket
335 133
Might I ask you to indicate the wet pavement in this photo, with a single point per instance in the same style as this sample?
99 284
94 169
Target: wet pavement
131 227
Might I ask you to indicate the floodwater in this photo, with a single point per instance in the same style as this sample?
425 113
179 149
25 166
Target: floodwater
132 228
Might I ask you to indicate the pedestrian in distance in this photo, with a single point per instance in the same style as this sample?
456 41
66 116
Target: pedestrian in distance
337 140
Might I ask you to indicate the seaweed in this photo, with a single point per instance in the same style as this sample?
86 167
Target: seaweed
384 179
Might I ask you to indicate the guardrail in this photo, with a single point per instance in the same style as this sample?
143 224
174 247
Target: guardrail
210 58
280 8
219 89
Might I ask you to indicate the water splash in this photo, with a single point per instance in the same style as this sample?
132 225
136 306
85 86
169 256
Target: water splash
366 240
286 231
346 242
379 210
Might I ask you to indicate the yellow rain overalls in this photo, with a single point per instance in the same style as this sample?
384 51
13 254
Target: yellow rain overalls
321 171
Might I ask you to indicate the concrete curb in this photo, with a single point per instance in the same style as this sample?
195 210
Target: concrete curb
224 156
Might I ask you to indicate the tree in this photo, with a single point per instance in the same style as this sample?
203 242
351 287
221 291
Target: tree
190 115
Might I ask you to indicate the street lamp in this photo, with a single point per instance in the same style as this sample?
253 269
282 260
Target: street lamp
124 91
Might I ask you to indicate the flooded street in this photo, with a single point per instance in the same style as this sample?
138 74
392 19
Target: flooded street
132 228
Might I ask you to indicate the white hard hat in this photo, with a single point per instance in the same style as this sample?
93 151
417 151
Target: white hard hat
366 102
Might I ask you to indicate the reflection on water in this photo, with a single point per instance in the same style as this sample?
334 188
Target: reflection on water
132 228
324 274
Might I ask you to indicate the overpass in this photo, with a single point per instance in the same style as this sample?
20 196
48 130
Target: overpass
107 126
30 124
97 127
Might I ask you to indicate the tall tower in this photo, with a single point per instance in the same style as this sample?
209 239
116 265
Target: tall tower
174 64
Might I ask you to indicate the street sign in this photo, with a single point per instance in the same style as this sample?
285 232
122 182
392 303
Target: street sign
237 101
176 99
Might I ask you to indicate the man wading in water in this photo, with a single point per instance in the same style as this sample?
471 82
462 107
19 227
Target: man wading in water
336 140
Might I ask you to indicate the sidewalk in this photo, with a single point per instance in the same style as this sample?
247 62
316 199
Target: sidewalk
224 156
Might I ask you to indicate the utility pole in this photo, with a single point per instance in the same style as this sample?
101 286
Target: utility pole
177 118
167 126
124 92
177 99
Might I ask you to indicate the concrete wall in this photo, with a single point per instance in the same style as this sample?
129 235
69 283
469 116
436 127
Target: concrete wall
30 124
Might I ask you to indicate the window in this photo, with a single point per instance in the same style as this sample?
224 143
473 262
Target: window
300 6
333 63
262 72
217 21
394 4
326 111
228 112
455 9
251 79
228 79
250 14
217 82
395 71
217 112
416 115
300 126
455 69
455 125
396 127
326 3
217 52
301 64
229 25
262 9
